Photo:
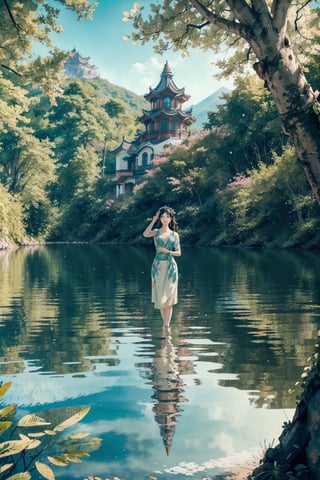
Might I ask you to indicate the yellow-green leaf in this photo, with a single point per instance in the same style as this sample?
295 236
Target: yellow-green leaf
12 447
20 476
4 388
77 453
6 411
72 420
45 470
58 461
32 420
77 436
5 467
4 426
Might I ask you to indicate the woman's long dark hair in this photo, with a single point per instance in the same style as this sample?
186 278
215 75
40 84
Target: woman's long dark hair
173 224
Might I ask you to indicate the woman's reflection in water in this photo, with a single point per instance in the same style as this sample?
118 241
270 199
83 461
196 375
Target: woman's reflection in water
168 389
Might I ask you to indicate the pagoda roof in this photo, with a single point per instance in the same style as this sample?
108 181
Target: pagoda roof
148 114
166 84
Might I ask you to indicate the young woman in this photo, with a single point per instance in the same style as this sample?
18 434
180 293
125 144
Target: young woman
164 270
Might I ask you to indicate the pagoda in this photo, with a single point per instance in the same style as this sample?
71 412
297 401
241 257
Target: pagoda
78 66
165 123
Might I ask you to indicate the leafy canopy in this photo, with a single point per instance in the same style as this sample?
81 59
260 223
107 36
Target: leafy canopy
181 25
32 21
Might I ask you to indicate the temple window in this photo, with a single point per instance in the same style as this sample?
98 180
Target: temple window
144 159
166 102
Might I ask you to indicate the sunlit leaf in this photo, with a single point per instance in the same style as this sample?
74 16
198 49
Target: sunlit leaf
6 411
4 426
4 388
20 476
32 420
77 436
72 420
31 443
12 447
58 461
45 470
36 434
50 432
73 458
5 467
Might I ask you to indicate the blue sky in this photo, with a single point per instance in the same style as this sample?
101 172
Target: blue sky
134 67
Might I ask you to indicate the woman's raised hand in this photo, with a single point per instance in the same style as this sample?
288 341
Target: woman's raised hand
156 217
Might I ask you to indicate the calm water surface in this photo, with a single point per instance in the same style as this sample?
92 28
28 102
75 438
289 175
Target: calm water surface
77 329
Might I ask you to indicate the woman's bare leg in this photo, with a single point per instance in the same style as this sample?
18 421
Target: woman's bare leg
163 314
169 315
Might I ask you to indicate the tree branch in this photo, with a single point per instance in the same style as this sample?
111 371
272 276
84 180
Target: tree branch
298 16
11 70
279 11
242 11
223 23
16 26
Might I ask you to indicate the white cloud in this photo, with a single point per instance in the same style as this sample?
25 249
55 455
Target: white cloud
138 67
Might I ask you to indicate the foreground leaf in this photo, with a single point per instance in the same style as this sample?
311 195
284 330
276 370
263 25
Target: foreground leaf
20 476
4 388
36 434
58 461
5 467
32 443
72 420
12 447
4 426
32 420
9 410
45 471
73 458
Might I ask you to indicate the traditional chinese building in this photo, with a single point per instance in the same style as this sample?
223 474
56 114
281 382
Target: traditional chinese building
165 124
78 66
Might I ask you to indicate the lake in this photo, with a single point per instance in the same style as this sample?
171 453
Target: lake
77 329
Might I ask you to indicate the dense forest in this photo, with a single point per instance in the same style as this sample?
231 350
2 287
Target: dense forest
237 182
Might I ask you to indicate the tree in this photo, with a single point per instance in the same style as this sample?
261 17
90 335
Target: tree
257 31
250 125
33 21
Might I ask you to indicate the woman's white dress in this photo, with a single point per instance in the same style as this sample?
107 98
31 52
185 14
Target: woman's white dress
164 272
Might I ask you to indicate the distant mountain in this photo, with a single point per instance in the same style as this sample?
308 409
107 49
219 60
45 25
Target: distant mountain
200 110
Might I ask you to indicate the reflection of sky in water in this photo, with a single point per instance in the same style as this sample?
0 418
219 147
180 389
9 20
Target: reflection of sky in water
213 423
84 333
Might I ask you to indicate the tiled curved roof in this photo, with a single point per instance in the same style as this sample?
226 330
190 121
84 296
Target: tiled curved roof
166 83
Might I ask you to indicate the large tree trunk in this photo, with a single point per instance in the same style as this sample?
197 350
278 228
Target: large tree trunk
298 453
265 30
294 99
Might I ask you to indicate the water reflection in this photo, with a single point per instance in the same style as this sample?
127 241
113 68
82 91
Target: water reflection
77 326
168 388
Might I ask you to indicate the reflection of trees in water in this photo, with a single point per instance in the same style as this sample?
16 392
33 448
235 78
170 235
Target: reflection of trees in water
61 304
168 389
262 306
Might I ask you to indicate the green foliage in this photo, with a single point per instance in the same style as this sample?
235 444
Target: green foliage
216 26
251 126
26 443
11 217
28 22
